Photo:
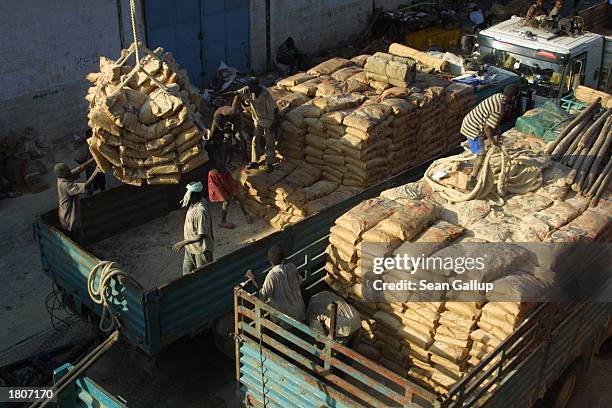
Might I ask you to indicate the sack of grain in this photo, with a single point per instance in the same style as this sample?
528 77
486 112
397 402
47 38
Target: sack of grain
308 88
294 80
338 102
367 116
376 65
329 67
329 87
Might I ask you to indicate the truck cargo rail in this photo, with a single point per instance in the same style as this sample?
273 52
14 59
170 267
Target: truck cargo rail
337 375
282 362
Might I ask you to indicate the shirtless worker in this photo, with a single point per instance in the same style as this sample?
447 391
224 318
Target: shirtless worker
199 240
281 287
221 185
68 194
264 112
484 120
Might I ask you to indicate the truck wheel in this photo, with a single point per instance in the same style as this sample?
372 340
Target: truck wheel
560 392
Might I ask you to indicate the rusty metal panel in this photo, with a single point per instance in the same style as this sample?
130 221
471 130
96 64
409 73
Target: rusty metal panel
285 384
344 377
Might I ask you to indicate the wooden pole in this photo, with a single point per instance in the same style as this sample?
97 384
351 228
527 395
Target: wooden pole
578 119
604 185
595 187
570 139
597 151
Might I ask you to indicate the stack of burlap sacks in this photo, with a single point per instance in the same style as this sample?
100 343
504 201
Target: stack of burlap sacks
144 122
331 117
293 191
360 134
385 71
435 337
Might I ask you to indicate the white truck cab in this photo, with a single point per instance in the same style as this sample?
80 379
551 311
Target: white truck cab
553 64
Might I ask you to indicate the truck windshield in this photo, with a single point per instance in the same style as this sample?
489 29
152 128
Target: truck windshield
546 77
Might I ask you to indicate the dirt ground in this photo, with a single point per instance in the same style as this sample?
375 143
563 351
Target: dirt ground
23 313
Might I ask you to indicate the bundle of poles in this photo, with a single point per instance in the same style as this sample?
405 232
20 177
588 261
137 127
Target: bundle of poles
584 146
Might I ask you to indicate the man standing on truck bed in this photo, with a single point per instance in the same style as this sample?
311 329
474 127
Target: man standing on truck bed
68 192
484 120
281 288
263 111
197 231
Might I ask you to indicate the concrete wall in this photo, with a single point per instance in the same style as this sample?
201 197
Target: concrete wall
314 24
48 46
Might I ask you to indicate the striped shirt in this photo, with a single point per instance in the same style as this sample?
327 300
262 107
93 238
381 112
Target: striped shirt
487 112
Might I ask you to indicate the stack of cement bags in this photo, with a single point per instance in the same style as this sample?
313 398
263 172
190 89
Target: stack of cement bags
403 134
256 187
287 190
497 322
437 338
452 342
368 144
347 127
293 191
291 138
295 119
385 70
460 100
144 121
431 137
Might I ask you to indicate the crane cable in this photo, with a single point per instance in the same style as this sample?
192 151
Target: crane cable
134 30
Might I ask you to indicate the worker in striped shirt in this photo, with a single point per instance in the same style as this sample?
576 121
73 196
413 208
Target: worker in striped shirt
484 120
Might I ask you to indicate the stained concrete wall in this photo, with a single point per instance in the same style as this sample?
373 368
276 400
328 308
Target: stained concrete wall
314 24
47 47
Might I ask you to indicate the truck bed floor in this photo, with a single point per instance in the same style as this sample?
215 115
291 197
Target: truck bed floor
144 252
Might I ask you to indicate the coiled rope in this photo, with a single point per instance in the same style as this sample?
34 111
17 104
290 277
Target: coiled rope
101 295
500 173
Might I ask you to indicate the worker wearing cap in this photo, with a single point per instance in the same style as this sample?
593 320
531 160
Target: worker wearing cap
197 232
281 288
68 192
263 111
483 122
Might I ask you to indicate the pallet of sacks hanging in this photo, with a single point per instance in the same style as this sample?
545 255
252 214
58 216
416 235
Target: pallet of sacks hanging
145 125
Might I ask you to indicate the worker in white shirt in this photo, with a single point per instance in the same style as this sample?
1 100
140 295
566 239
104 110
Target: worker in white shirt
281 287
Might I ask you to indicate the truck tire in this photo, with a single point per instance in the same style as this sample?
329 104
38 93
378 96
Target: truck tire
560 392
